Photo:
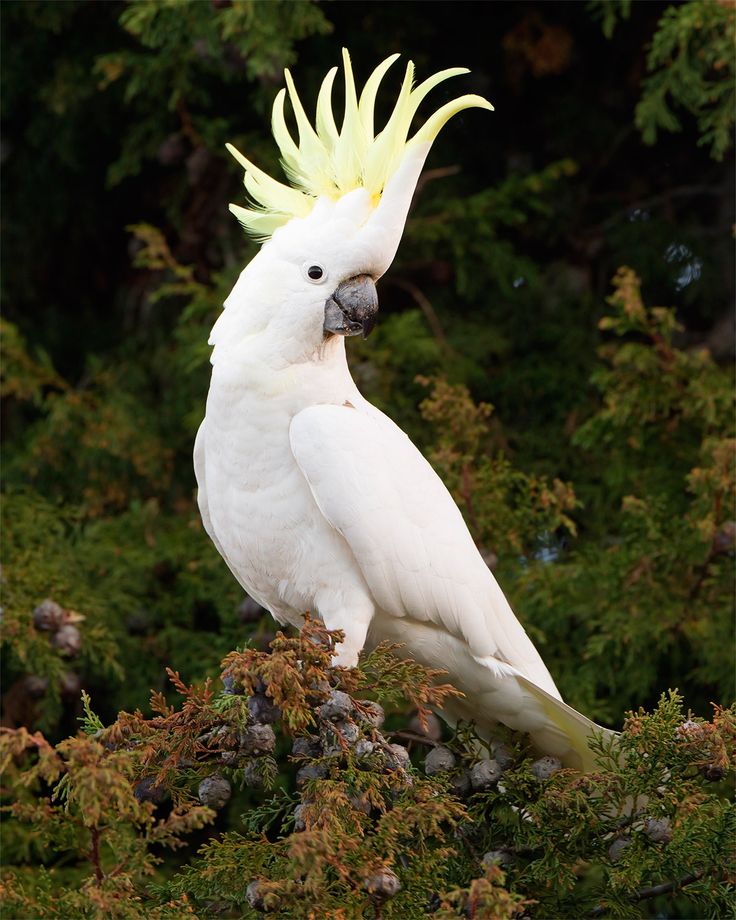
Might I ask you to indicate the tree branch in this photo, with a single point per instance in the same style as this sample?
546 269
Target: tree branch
439 173
653 891
94 855
425 305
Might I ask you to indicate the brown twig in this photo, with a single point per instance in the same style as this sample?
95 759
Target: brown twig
425 305
94 855
712 552
653 891
187 127
413 736
666 887
438 173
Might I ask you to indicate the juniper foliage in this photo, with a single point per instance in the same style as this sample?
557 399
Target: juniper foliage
593 462
362 831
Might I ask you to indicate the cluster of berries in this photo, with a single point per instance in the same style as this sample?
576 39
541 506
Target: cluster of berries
65 635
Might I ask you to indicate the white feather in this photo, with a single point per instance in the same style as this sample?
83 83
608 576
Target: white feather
313 497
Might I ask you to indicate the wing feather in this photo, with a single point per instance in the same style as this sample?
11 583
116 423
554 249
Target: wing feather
406 532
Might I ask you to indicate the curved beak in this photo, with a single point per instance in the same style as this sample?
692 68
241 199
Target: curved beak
352 308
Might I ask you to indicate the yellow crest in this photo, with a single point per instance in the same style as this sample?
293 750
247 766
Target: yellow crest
331 162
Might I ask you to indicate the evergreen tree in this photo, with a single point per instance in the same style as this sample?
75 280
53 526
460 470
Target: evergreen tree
586 435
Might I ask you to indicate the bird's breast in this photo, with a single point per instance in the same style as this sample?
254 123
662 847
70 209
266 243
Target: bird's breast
269 527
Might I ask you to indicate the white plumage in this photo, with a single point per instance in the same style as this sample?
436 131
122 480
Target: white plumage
317 501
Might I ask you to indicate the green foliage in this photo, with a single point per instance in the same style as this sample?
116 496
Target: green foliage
364 832
509 512
25 377
661 575
166 64
609 12
92 831
476 228
691 66
594 464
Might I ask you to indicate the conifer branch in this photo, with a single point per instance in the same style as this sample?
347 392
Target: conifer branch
654 891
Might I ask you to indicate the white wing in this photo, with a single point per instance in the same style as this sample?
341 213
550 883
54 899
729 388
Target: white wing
199 472
407 535
200 452
433 590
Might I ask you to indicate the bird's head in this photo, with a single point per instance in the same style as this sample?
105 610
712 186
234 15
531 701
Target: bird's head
332 232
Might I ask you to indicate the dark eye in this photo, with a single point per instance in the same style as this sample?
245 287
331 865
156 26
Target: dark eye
314 272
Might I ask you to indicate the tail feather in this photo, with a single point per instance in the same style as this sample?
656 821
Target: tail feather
574 726
553 727
495 692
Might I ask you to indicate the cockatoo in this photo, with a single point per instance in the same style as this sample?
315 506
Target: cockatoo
315 499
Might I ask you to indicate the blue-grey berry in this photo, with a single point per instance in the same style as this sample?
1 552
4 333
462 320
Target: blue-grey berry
374 714
484 775
360 802
230 686
214 791
349 731
263 709
658 830
383 884
35 686
618 848
502 755
713 772
306 746
499 857
439 760
433 730
70 684
460 783
146 790
48 615
309 772
364 748
257 739
254 895
68 640
545 767
253 774
338 707
400 756
320 687
299 824
339 736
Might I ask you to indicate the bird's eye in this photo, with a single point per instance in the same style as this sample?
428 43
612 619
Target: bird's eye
314 272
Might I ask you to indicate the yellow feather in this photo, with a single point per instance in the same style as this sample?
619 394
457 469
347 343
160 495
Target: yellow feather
421 91
351 143
382 156
329 162
325 121
432 127
284 140
367 103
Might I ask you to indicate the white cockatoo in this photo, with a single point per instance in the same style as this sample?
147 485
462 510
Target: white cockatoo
316 500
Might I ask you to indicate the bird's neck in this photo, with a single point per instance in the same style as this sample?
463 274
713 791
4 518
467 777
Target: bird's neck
254 372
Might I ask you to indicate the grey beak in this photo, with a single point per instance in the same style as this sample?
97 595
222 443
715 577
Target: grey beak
352 308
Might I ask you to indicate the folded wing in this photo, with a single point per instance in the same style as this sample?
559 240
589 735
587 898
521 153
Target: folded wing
407 535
